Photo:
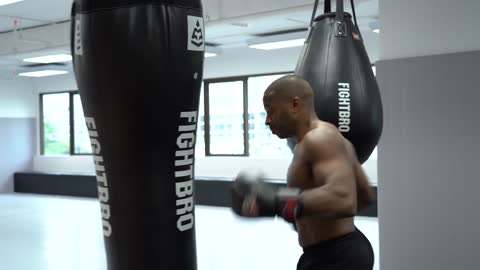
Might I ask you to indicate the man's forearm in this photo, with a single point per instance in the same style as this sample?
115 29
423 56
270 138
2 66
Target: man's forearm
327 204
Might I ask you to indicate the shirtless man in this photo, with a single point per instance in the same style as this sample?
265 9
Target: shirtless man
326 184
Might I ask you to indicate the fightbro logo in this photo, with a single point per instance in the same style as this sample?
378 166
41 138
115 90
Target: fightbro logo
102 182
184 157
344 107
195 33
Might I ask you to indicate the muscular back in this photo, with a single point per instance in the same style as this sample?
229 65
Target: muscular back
300 174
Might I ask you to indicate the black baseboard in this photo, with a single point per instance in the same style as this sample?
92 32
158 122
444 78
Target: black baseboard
211 192
56 184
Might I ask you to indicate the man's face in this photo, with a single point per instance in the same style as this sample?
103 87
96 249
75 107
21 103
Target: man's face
279 116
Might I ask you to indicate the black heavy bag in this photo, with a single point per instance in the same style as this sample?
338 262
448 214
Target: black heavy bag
335 63
139 68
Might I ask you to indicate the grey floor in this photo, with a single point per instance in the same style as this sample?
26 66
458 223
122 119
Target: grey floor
63 233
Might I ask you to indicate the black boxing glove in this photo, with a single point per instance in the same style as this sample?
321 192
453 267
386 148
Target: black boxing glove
252 197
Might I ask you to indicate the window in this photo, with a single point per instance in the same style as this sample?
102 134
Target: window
81 138
200 137
56 124
225 123
235 119
262 143
64 130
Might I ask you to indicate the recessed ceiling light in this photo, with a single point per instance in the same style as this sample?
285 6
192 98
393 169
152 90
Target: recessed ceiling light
278 41
50 59
8 2
279 44
208 54
42 73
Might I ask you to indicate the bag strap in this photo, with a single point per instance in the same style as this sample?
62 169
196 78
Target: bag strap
315 5
339 11
341 26
353 13
327 8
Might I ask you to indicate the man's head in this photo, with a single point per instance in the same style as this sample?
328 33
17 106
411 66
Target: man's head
289 103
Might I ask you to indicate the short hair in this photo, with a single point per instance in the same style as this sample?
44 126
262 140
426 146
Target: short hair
290 86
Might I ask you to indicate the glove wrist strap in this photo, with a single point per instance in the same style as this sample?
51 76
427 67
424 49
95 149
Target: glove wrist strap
291 205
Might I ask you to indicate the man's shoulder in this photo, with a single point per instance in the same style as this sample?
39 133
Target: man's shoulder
323 139
323 133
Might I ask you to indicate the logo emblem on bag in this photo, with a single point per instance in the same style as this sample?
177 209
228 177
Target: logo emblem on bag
195 34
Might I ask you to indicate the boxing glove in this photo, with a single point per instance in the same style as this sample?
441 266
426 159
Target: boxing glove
253 197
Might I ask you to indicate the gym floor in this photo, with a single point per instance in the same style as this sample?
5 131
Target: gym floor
41 232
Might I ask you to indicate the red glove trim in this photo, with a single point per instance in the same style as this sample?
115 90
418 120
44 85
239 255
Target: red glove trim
289 210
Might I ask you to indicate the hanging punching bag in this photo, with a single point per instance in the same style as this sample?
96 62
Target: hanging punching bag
139 68
335 63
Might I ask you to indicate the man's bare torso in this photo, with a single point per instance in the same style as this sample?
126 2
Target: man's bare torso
312 230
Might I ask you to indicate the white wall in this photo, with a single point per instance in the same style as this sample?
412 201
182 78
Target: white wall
17 129
17 99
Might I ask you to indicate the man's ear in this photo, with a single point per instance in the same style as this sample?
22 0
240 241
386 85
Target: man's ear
296 103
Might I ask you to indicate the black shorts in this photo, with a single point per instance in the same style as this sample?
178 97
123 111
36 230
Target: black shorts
352 251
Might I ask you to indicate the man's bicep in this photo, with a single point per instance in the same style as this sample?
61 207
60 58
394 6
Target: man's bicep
334 195
334 173
330 161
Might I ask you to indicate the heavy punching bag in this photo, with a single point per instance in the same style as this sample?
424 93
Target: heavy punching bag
139 68
335 63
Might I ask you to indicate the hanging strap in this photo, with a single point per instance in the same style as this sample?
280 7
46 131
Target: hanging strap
315 11
341 26
327 8
339 10
353 13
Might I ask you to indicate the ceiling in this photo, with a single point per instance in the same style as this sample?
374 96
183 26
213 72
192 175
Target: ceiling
39 27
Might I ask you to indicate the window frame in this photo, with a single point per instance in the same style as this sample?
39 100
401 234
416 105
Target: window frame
206 106
42 124
71 110
72 129
206 100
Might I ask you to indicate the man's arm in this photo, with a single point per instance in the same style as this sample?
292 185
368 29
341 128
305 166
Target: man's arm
335 194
